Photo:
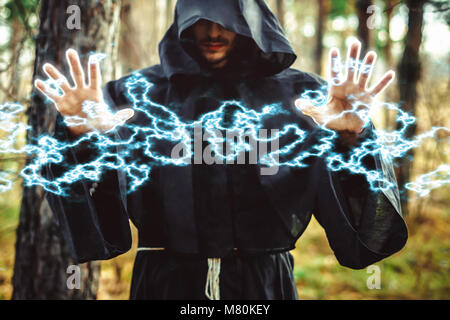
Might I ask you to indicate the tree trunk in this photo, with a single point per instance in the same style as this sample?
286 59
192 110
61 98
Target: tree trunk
16 50
409 72
363 30
387 53
42 257
154 29
169 13
321 21
280 12
130 54
387 47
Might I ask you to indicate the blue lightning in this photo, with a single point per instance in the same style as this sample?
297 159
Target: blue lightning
162 124
431 180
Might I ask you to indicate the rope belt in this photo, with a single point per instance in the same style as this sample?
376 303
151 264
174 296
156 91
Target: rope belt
150 249
212 289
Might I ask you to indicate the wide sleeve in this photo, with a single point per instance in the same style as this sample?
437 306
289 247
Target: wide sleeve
93 216
363 226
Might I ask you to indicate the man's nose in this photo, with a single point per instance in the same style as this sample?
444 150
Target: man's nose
214 30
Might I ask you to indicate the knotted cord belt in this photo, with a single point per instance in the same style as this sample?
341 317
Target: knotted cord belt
212 288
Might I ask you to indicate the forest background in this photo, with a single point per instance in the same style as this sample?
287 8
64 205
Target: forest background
411 37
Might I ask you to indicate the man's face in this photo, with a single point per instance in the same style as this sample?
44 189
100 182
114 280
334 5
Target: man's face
214 42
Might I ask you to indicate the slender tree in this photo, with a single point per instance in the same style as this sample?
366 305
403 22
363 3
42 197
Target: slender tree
363 29
280 12
169 13
130 49
42 257
322 13
409 73
387 50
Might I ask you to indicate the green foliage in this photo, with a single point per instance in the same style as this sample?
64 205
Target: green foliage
340 8
23 11
20 10
419 271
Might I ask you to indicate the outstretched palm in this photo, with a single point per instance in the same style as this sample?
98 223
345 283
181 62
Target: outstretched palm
70 102
349 98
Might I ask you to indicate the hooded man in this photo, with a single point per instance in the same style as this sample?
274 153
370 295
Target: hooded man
223 231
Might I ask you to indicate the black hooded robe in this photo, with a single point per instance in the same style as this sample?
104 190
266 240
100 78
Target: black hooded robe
232 212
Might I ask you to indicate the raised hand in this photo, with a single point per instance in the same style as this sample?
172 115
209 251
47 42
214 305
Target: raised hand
348 98
73 102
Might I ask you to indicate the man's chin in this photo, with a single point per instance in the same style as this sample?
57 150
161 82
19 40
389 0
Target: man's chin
215 61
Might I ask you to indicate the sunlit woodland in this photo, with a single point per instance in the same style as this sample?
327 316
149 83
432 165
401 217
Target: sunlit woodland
411 37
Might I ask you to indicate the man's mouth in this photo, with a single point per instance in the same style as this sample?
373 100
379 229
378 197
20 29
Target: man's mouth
213 46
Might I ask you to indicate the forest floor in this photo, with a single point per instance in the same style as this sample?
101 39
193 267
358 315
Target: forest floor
419 271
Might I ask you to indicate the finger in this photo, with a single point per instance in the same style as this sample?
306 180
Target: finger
95 76
306 107
40 85
124 114
383 83
353 60
335 66
110 122
76 69
54 74
366 69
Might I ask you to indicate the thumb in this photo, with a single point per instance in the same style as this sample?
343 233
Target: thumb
124 114
110 122
306 107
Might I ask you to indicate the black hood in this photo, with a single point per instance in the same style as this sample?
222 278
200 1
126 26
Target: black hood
251 19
